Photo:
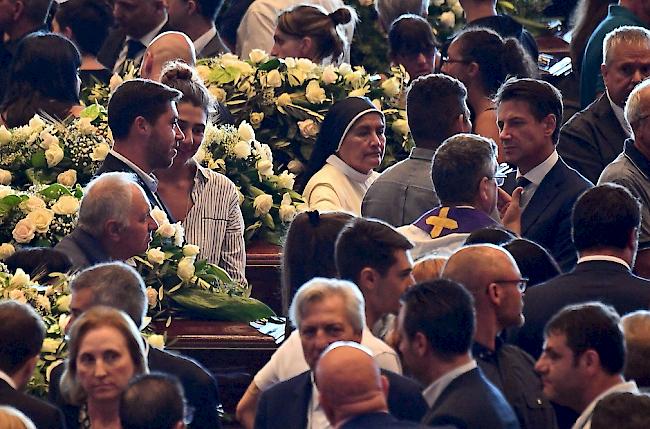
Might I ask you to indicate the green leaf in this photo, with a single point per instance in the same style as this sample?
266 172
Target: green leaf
53 192
270 65
38 159
219 306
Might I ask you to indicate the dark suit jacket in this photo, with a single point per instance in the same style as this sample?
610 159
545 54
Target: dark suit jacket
113 45
112 163
591 139
547 217
44 415
383 421
200 388
214 48
82 249
472 402
604 281
285 405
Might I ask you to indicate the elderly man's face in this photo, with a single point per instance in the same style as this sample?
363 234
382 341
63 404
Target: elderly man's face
323 323
628 65
134 238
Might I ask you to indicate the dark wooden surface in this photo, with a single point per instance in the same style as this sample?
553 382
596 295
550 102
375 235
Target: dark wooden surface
263 273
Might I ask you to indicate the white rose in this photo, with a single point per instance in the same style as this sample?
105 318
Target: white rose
24 231
330 75
308 128
218 93
51 345
286 180
152 296
67 178
156 341
6 250
274 79
256 118
19 280
5 177
283 100
392 87
166 230
246 132
64 319
345 69
401 126
448 19
262 204
6 190
43 303
257 56
17 295
265 168
100 151
159 216
156 256
116 80
85 127
242 149
359 92
190 250
354 76
63 303
305 64
47 139
186 269
53 155
296 76
5 135
287 210
36 124
295 166
179 234
32 203
203 72
66 205
290 62
314 93
41 219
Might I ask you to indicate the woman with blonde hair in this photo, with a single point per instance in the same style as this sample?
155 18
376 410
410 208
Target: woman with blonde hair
106 352
308 31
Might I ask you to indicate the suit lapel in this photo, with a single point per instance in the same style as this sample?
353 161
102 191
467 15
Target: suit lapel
441 398
544 195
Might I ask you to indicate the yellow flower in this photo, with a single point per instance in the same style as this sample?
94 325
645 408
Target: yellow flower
66 205
6 250
24 231
67 178
41 219
5 177
155 256
314 93
186 269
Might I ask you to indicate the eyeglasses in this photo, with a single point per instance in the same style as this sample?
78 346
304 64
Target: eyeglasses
521 284
446 59
499 178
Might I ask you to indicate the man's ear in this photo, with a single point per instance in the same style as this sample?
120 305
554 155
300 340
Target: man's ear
112 230
19 10
603 70
590 360
368 279
420 344
141 125
550 124
494 293
147 65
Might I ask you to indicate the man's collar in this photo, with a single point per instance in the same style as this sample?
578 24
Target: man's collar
435 389
604 258
148 179
422 153
537 174
202 41
620 116
10 381
637 158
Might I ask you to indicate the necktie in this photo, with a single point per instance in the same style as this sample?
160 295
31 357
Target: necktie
134 47
523 182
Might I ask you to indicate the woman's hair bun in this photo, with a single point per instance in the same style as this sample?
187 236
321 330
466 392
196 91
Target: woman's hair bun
175 71
341 16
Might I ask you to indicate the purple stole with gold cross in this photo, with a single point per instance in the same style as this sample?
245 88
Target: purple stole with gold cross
443 221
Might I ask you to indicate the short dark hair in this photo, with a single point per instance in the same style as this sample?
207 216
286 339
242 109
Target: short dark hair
458 166
38 262
542 98
595 326
89 21
138 97
433 104
489 235
152 401
37 11
21 335
367 243
209 8
308 250
443 311
604 216
622 410
534 262
410 34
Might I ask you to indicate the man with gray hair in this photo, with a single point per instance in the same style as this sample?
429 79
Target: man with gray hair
466 179
325 311
389 10
168 46
632 168
114 223
592 138
119 286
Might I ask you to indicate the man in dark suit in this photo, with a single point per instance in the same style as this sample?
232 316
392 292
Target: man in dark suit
529 112
352 389
326 311
605 232
119 286
138 23
143 118
21 336
196 18
592 138
435 329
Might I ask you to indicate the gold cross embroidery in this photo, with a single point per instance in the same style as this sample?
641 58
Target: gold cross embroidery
440 222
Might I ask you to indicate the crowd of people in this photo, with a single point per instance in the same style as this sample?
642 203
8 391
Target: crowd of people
499 277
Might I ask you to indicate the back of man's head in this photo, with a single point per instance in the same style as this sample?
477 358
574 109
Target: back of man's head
591 326
636 109
459 164
604 218
138 97
209 9
152 401
622 410
166 47
390 10
542 98
21 335
35 12
443 311
434 107
476 266
349 382
636 329
115 285
366 243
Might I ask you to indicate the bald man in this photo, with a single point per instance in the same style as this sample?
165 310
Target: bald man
352 390
491 275
168 46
